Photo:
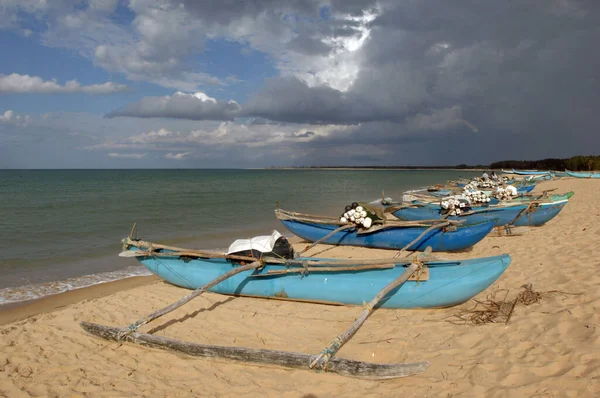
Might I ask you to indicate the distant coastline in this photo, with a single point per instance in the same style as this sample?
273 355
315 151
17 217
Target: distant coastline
405 168
379 168
575 163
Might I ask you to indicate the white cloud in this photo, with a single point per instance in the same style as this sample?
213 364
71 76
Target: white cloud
164 36
177 156
341 67
150 136
127 155
196 106
10 117
15 83
182 144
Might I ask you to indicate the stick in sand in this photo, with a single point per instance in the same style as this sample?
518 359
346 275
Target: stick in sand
156 314
323 358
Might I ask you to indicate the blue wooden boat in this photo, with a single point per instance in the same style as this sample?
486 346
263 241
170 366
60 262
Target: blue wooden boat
582 174
528 214
531 197
442 193
443 284
392 235
529 172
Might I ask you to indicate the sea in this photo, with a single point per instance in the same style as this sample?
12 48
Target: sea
62 229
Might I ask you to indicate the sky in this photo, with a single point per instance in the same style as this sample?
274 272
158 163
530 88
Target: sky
260 83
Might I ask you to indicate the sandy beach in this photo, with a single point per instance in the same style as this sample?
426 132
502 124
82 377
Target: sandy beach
548 349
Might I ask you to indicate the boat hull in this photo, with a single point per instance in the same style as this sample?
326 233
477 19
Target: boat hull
450 283
526 199
530 172
500 215
583 175
393 237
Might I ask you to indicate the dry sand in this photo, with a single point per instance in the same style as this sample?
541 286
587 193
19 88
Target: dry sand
549 349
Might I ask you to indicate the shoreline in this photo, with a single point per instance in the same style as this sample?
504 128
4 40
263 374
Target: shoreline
21 310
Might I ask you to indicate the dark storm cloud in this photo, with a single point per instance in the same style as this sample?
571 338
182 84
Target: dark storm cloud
308 46
525 73
353 7
291 100
512 66
224 12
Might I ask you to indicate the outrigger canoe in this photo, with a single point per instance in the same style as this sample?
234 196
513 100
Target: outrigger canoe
530 172
521 190
493 201
534 213
442 283
582 174
385 282
391 235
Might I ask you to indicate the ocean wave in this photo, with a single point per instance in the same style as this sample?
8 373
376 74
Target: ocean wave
30 292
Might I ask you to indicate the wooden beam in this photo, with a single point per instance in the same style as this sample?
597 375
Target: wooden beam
345 367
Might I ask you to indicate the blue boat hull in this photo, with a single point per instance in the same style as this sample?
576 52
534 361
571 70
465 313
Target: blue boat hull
525 189
450 283
583 175
499 215
540 215
393 237
530 172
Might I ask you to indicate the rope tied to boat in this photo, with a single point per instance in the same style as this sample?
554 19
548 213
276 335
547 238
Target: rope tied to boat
126 332
420 270
304 268
323 358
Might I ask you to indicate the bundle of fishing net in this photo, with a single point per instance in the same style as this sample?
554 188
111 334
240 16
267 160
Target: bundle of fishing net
505 193
481 183
476 196
455 205
362 215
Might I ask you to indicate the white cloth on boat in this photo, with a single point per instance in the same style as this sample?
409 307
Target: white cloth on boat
264 243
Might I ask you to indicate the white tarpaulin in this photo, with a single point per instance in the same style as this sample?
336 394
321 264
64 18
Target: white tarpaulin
263 243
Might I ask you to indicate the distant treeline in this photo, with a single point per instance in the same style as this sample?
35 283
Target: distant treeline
461 166
576 163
